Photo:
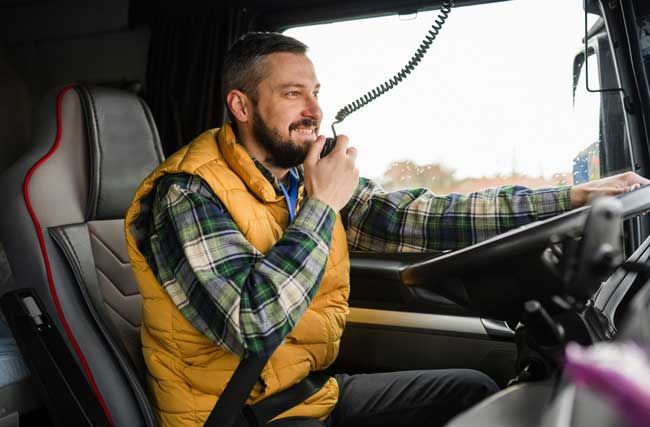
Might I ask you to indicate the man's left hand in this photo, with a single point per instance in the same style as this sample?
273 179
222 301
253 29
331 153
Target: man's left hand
610 186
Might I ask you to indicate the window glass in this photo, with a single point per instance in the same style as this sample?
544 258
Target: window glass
586 122
491 103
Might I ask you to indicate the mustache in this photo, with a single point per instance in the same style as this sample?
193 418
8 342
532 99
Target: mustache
303 123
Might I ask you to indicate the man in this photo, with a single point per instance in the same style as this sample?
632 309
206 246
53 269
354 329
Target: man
239 251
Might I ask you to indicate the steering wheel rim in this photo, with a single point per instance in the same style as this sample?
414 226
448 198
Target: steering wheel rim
471 276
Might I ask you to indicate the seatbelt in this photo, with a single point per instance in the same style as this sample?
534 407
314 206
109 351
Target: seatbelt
228 410
278 403
231 409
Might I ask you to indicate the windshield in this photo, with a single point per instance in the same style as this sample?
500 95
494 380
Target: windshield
491 104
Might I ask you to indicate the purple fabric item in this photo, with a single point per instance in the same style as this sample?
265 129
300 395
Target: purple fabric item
620 372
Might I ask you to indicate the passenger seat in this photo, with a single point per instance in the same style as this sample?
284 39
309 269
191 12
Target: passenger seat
73 305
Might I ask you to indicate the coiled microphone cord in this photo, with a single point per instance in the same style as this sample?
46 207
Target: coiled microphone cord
370 96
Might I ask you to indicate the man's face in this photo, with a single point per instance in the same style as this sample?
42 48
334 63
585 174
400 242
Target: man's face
287 116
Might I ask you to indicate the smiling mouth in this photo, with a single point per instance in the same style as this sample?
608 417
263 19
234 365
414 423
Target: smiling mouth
305 127
305 131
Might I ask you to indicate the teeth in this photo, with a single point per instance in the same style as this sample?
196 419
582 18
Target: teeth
304 131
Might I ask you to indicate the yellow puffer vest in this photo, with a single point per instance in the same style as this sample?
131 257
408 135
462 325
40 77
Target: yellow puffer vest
186 371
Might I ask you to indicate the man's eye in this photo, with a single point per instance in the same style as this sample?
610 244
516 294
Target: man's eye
316 95
293 93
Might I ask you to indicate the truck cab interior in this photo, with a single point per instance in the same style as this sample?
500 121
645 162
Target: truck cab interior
94 95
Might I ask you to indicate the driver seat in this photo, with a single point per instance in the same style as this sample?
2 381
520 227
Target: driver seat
73 297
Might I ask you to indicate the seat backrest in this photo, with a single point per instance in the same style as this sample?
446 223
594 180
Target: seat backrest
62 229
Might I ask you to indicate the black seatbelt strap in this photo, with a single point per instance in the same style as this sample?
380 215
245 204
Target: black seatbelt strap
278 403
228 410
231 409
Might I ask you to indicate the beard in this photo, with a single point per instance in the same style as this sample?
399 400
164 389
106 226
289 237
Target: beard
281 152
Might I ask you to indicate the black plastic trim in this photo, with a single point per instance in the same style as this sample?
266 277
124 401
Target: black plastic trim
57 377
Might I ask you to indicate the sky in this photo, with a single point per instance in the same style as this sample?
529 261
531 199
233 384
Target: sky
493 94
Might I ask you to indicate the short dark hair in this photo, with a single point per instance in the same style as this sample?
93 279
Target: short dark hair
243 67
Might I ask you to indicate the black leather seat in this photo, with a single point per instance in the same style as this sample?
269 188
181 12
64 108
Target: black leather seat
62 229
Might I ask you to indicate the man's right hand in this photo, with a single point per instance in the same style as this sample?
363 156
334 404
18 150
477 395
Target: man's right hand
333 178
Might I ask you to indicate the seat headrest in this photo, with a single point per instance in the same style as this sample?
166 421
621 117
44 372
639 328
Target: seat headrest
124 148
92 147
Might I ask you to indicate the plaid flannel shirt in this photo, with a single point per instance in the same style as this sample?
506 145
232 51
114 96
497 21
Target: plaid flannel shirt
248 302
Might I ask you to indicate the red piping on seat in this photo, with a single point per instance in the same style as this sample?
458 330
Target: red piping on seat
46 259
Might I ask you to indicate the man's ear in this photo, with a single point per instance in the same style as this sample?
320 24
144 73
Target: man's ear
239 105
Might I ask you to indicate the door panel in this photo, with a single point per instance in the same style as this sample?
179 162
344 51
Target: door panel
388 329
375 283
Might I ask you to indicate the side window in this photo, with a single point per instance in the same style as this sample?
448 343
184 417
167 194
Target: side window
491 104
586 112
598 106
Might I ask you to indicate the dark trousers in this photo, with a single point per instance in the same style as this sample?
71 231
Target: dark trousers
410 398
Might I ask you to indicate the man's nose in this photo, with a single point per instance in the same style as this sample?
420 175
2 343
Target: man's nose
312 109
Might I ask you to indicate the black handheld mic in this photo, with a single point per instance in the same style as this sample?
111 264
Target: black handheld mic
328 147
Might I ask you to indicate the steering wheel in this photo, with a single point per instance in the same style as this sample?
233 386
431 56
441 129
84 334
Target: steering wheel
496 277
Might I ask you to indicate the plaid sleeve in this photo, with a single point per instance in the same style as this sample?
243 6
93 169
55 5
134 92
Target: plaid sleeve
241 299
417 220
